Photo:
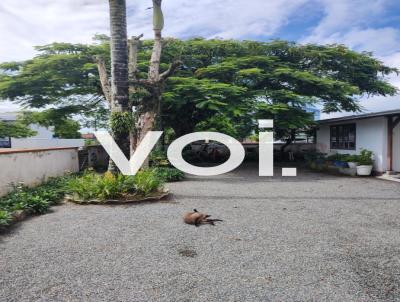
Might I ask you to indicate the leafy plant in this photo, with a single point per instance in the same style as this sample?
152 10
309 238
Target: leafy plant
337 157
147 181
91 185
365 158
38 200
5 218
158 158
168 174
351 158
38 204
121 122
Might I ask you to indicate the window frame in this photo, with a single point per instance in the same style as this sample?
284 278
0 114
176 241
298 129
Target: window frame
341 134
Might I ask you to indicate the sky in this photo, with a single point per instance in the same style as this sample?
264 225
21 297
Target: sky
363 25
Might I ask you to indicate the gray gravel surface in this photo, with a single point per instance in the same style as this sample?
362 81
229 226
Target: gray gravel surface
314 237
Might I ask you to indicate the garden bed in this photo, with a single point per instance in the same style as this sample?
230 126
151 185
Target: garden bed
86 188
128 198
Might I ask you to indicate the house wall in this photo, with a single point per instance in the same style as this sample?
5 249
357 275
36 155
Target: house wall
371 134
34 166
396 148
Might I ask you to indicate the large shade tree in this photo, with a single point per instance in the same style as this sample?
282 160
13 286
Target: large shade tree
222 85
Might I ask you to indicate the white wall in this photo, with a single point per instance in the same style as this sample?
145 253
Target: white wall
371 134
28 143
396 148
32 167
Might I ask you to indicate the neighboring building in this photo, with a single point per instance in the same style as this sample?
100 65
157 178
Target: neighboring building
378 132
44 137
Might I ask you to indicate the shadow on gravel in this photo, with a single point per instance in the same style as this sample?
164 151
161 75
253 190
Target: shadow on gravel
378 272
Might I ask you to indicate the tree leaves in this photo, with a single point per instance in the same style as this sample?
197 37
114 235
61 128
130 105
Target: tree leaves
220 81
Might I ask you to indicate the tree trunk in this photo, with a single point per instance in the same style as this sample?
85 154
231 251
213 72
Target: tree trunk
119 77
290 140
148 110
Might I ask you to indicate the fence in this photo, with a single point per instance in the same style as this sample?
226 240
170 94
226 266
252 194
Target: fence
33 166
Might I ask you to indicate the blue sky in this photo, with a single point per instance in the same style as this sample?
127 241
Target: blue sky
364 25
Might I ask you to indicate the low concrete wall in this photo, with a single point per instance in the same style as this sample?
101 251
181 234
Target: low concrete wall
30 143
33 166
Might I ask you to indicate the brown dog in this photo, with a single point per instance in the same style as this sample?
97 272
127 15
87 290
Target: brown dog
196 218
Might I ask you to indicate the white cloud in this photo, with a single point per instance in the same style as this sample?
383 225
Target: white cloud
25 23
230 18
343 15
351 23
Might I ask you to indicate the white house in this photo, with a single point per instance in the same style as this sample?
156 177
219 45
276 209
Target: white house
44 137
378 132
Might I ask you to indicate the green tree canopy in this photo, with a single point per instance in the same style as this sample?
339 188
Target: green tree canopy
223 85
15 129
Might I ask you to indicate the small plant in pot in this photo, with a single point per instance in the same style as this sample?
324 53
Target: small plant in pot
352 160
365 163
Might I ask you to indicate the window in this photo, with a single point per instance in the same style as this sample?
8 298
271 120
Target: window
343 137
5 142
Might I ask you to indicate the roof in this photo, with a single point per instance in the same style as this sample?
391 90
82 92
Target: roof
88 136
360 116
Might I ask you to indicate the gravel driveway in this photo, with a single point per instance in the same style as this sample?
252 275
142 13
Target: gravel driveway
314 237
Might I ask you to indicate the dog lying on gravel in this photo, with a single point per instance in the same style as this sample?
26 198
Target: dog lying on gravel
196 218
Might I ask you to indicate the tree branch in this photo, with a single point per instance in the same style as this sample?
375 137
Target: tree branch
171 70
142 82
158 24
101 66
134 44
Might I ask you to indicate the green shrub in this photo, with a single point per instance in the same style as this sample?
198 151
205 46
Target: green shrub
37 199
38 204
168 174
337 156
5 218
147 181
91 185
158 158
314 156
351 158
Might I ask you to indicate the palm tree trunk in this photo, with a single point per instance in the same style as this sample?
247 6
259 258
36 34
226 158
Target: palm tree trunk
119 98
